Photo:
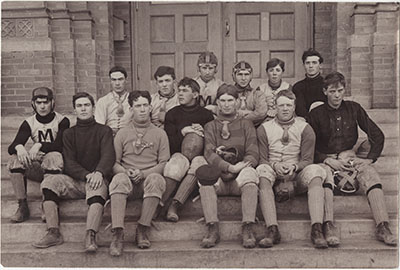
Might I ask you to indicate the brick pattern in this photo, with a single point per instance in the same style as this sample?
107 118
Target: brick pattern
322 36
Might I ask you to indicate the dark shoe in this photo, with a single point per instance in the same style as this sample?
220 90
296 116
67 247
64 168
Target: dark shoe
331 233
384 234
317 237
90 242
142 240
249 240
22 212
212 237
53 237
116 245
271 238
172 214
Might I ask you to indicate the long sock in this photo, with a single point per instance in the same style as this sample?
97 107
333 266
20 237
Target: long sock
208 198
19 186
50 209
118 205
249 202
149 207
169 189
377 203
328 204
94 217
185 188
267 203
316 200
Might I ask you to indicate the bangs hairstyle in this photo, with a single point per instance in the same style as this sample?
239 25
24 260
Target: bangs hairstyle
164 70
229 89
118 69
82 95
134 95
311 52
275 62
334 78
285 93
190 83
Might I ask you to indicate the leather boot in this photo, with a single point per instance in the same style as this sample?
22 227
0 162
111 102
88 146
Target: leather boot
317 237
53 237
90 242
22 212
331 233
249 240
142 240
384 234
116 245
172 214
212 237
272 237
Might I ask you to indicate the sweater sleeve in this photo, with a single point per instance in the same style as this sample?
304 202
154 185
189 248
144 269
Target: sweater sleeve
163 156
23 134
100 114
306 148
57 145
251 145
263 145
261 108
210 144
172 131
71 165
118 147
301 108
107 152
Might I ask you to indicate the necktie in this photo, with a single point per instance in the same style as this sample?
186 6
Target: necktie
225 134
243 103
285 136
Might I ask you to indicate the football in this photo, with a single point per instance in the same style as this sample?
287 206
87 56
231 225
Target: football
192 145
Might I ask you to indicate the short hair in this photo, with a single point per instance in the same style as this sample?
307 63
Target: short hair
134 95
311 52
286 93
229 89
82 95
118 69
164 70
275 62
334 78
191 83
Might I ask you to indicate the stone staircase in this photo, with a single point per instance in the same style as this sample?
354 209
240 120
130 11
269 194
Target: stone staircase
177 244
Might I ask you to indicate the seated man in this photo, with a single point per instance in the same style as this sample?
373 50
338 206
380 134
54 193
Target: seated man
45 128
113 109
336 127
141 153
231 147
286 155
166 98
89 156
187 118
253 104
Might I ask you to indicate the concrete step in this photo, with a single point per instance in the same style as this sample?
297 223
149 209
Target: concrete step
390 130
188 254
227 206
384 115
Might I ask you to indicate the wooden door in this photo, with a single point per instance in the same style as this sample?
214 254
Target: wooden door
257 32
174 34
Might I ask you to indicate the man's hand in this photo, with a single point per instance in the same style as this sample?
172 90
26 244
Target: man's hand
359 162
239 166
194 128
95 180
283 168
23 155
34 150
338 165
135 175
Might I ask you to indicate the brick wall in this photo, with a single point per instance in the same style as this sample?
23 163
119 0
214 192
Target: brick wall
323 27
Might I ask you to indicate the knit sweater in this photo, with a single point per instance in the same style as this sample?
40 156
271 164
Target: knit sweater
157 104
182 116
255 101
88 147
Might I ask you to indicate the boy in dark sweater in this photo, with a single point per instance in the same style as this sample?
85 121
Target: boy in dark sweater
89 157
188 117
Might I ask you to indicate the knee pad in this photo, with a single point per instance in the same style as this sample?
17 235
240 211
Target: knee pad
154 186
247 176
49 195
267 172
312 171
120 183
53 162
96 199
207 175
197 162
176 167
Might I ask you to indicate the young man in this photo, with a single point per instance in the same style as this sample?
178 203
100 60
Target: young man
336 127
286 155
253 104
207 67
45 128
113 109
89 156
142 151
166 97
233 136
309 90
184 119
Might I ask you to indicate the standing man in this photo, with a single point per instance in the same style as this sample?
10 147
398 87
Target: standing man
89 156
187 118
230 147
45 128
207 66
253 104
141 154
113 109
309 90
336 127
286 155
166 97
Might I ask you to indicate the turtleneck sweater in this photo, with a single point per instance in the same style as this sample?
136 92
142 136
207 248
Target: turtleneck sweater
88 147
255 102
307 92
182 116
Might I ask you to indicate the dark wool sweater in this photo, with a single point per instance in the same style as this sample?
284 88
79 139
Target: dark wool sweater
88 147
